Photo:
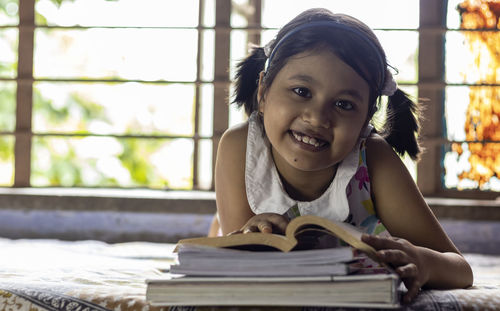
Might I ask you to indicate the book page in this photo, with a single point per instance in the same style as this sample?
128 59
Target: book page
344 231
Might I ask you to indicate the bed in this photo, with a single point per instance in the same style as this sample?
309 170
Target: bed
40 275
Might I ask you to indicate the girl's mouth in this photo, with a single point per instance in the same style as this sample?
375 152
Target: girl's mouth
308 140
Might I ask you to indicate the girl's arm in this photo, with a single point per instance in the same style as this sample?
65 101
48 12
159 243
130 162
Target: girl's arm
232 204
234 211
422 252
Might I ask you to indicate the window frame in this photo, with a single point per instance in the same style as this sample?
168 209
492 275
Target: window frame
431 86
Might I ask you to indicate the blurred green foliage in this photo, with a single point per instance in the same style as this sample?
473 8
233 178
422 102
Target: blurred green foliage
68 168
7 107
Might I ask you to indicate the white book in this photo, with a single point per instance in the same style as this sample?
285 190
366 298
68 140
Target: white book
211 261
372 290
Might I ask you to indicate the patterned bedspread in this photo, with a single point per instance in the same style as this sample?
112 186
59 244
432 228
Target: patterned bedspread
40 275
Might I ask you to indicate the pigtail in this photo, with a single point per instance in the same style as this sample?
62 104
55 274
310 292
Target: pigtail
402 124
247 79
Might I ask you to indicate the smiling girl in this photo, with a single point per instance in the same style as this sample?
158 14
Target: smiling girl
309 148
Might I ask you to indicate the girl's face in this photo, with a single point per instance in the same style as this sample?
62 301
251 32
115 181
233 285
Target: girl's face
314 111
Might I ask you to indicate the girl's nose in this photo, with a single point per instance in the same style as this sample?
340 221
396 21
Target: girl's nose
317 117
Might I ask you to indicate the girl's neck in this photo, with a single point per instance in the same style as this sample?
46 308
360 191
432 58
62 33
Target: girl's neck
304 185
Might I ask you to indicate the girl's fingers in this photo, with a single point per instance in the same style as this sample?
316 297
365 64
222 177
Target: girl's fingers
235 232
260 226
378 242
265 227
266 223
409 275
407 271
413 290
279 222
250 228
400 254
394 256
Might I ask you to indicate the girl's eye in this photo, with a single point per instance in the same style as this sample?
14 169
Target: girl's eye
302 92
344 105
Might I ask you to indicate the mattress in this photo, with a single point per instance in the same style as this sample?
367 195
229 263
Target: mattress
40 275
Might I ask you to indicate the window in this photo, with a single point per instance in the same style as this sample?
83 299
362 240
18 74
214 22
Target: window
472 105
458 67
110 94
132 93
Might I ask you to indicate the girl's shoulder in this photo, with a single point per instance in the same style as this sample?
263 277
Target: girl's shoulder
382 160
378 149
235 136
233 144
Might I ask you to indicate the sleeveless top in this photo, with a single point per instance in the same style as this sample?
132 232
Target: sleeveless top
347 198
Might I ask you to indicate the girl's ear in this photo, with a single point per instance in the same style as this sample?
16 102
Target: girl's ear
260 92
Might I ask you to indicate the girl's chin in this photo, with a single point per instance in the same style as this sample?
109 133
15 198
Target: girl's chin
308 166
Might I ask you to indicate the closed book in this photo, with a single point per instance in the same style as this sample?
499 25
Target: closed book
371 290
211 261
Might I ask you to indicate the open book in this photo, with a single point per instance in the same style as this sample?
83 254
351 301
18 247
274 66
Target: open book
302 233
308 266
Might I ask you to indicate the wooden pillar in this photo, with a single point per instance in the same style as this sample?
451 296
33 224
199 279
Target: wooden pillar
255 21
221 73
24 98
431 72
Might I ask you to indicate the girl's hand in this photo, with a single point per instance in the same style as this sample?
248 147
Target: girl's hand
265 223
406 258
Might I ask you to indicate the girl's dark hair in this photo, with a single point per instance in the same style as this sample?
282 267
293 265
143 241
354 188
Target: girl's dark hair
358 47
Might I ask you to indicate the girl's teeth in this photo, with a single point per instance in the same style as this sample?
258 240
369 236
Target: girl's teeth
306 139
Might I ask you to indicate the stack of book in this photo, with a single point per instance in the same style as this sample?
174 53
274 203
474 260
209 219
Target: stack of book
257 269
